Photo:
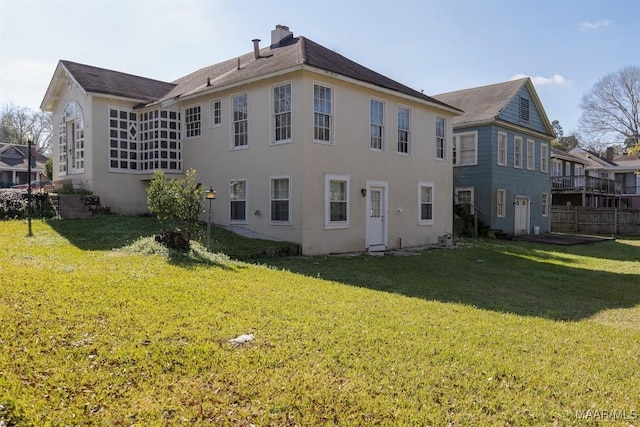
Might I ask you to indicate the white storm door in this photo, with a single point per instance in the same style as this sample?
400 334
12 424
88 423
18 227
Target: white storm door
521 218
376 228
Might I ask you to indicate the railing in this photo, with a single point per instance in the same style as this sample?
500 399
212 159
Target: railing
589 184
631 189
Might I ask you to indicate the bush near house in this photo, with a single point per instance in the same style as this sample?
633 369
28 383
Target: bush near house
103 326
13 205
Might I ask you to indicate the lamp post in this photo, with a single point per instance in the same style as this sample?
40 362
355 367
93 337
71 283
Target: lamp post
29 142
210 195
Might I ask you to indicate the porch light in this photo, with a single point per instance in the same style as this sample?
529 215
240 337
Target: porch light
210 195
363 191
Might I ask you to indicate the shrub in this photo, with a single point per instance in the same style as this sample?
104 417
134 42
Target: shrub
13 205
176 202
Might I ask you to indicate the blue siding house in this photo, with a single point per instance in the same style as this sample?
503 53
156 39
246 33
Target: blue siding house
501 156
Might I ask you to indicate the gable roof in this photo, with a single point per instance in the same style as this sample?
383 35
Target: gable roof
101 80
14 157
482 105
288 55
295 53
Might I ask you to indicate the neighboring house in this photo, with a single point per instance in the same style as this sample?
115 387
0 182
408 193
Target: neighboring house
14 166
628 176
301 144
612 182
501 156
568 181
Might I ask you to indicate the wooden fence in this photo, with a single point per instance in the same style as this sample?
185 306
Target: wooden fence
607 221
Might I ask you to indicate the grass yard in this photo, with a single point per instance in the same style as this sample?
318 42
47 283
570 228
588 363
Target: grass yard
100 326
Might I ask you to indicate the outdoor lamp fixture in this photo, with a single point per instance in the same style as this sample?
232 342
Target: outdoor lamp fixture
363 191
29 139
210 195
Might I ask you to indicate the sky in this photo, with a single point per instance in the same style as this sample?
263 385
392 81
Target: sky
437 46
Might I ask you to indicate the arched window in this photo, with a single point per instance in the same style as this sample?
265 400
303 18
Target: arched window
71 140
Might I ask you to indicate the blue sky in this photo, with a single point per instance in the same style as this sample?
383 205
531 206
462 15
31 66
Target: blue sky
437 46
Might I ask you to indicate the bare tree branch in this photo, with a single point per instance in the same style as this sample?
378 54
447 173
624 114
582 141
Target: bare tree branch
610 112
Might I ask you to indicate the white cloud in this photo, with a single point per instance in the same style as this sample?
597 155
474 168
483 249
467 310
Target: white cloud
587 26
556 79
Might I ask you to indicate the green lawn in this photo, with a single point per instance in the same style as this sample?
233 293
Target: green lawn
99 326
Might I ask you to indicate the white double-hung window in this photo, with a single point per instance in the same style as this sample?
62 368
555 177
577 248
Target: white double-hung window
404 130
322 114
465 149
281 200
282 113
240 130
440 138
425 203
336 201
376 114
502 149
238 201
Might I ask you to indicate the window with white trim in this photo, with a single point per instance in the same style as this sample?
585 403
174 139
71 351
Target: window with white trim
531 156
336 201
466 149
240 115
425 203
440 138
502 149
71 140
123 139
215 113
544 204
464 196
322 113
544 158
238 201
376 119
282 113
159 139
517 152
404 130
280 200
500 202
192 121
556 167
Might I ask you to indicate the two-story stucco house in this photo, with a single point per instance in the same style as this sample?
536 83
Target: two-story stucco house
501 156
300 143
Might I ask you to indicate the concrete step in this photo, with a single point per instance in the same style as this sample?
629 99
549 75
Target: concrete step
72 206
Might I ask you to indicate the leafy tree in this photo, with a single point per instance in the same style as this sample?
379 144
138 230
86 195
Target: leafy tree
16 122
562 142
176 202
557 129
611 110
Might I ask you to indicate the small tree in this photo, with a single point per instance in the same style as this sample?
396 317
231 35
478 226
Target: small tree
176 202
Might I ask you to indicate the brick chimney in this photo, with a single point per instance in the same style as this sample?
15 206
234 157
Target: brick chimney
279 35
610 154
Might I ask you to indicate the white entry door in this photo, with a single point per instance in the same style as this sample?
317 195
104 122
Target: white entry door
376 221
521 218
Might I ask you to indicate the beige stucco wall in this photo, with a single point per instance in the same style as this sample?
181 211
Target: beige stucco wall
307 163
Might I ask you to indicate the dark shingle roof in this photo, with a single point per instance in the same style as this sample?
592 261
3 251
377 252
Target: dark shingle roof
100 80
481 104
296 52
292 53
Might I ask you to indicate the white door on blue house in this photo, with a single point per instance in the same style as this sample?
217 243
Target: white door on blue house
376 217
521 216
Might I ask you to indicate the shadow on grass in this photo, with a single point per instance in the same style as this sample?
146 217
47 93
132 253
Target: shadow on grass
111 232
104 232
503 277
